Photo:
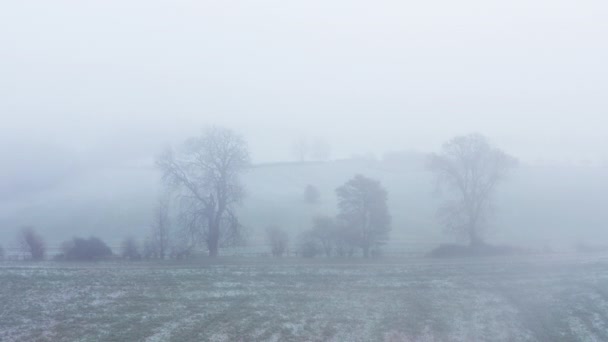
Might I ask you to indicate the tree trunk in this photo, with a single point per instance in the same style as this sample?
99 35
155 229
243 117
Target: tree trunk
213 239
474 236
162 249
213 248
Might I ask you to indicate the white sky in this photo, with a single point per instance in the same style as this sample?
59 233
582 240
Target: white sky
120 79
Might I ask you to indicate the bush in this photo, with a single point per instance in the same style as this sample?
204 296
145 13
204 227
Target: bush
130 249
590 248
482 250
278 240
309 246
92 249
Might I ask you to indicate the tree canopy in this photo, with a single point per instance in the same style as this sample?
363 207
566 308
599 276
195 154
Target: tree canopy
363 210
470 168
206 171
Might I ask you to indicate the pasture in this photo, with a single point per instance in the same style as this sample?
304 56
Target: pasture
533 298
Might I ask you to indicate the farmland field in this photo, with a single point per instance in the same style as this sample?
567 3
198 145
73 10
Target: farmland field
550 298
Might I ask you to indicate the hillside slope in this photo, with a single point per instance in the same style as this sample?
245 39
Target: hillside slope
536 207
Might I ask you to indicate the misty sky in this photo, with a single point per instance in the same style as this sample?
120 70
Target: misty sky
117 80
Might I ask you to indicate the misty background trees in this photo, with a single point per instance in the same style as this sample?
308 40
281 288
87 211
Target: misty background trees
202 186
306 150
469 168
205 171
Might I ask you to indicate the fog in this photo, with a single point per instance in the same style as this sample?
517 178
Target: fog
109 84
112 80
328 170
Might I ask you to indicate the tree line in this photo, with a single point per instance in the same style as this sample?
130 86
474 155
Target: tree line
202 181
204 174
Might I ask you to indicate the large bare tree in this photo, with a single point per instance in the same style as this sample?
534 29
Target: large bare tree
205 171
470 168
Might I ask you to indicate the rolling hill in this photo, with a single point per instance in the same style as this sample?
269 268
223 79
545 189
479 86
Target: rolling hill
539 207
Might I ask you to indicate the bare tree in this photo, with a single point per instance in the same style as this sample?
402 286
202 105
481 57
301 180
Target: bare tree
364 212
32 244
470 168
278 240
160 232
300 149
206 171
130 249
321 150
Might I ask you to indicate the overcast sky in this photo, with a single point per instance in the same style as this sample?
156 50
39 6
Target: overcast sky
119 79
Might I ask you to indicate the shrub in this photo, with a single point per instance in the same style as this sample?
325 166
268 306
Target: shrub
309 246
92 249
278 240
590 248
459 251
130 249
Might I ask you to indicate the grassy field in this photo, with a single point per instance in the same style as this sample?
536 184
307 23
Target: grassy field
516 299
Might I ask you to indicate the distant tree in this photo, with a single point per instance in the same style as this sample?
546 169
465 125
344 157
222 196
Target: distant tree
1 253
278 240
91 249
308 246
32 244
160 230
130 249
470 168
364 212
206 172
321 150
311 194
324 230
300 149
